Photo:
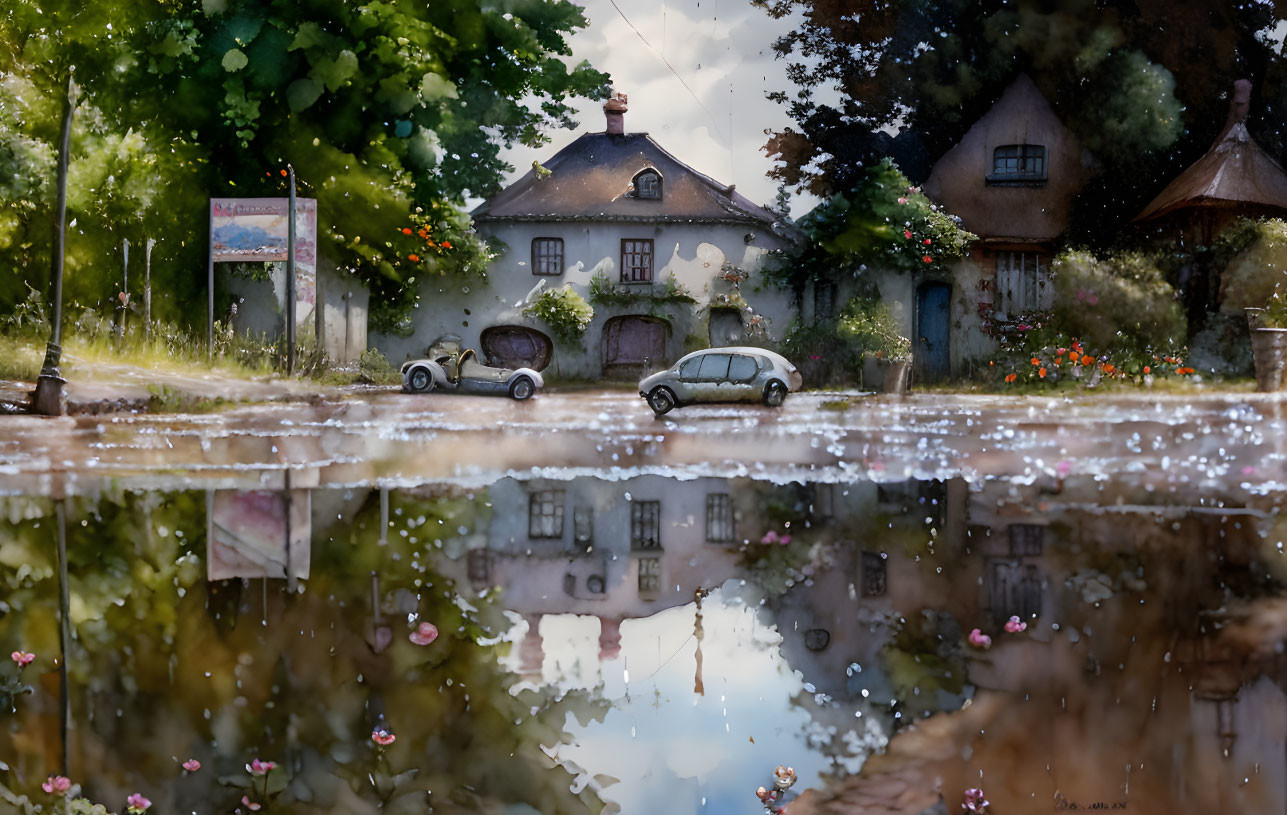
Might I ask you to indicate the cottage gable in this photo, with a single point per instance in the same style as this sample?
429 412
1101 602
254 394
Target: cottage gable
1014 174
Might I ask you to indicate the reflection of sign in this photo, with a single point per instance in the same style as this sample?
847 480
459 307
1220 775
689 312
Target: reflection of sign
244 230
249 535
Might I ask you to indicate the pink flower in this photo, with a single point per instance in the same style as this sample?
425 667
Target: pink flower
382 737
902 200
424 634
784 540
138 803
23 658
1024 327
56 785
192 765
765 795
980 640
907 233
974 801
249 804
258 767
1014 625
1063 467
770 537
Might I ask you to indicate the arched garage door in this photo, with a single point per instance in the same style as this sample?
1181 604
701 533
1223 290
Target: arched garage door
634 344
516 346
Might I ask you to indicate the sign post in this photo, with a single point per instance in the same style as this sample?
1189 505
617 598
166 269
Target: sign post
269 229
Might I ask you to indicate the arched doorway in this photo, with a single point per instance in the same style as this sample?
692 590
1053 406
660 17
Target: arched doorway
931 349
634 345
726 327
516 346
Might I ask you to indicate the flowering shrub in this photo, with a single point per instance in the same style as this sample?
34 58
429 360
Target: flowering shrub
1038 354
1119 303
872 324
566 312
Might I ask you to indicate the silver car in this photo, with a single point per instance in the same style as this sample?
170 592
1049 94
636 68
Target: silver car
722 375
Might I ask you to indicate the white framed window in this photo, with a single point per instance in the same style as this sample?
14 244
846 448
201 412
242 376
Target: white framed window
649 575
1023 283
719 518
1020 164
545 514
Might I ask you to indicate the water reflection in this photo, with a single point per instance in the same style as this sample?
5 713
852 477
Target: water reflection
650 643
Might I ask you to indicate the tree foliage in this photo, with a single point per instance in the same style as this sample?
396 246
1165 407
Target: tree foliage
391 113
1143 84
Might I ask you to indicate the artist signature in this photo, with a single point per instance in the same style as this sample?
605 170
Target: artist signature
1061 805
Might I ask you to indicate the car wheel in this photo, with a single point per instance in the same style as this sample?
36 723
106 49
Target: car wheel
661 400
420 380
523 388
775 394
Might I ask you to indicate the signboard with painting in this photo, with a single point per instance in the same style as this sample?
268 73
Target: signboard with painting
248 532
246 230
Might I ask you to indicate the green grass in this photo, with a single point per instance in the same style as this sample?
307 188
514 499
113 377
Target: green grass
20 359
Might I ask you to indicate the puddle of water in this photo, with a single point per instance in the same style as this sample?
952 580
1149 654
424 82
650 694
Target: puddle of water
547 642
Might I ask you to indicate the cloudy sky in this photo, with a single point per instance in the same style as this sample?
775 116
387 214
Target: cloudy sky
722 49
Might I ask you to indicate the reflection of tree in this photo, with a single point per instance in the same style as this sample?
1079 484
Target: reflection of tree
169 666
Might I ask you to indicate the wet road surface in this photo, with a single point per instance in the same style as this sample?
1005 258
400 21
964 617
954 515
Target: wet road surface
395 439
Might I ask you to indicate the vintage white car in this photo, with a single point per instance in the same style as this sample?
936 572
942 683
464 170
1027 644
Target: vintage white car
722 375
448 368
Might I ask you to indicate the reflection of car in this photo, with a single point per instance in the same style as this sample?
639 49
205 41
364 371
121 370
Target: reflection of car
449 368
722 375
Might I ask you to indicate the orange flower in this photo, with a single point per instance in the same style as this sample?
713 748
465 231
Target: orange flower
928 259
1059 361
283 173
413 258
424 233
1041 373
1108 369
1073 356
446 244
406 230
1147 369
1036 361
430 244
1009 377
991 363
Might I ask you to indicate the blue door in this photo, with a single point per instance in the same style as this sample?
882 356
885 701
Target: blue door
930 347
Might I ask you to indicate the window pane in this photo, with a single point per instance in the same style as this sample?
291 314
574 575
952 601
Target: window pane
636 261
547 256
645 523
719 518
649 574
714 368
545 514
689 369
742 369
873 575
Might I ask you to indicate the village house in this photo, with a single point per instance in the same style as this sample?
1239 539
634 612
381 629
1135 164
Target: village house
662 252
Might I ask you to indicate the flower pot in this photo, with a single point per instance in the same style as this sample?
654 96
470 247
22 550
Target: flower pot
1255 318
1269 349
897 374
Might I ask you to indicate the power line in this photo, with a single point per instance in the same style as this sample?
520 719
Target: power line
660 56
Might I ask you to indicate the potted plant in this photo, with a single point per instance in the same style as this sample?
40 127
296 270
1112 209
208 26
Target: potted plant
1269 342
874 326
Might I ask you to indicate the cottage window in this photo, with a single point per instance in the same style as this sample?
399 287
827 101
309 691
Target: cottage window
1014 590
1023 283
647 184
645 525
1018 164
719 518
636 261
480 567
1027 540
547 256
545 514
824 300
649 575
874 575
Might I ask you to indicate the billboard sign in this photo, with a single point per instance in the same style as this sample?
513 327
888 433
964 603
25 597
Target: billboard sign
248 230
248 534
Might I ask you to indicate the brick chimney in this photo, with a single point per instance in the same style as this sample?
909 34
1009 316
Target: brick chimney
1239 103
614 110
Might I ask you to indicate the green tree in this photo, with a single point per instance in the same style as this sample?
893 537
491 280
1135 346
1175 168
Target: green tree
1142 84
390 113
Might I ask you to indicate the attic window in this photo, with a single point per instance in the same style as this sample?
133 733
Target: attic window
647 184
1018 165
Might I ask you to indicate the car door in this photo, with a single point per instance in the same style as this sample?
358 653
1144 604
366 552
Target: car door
712 378
741 384
687 379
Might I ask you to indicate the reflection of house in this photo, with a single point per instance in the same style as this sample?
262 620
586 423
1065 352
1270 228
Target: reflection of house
616 208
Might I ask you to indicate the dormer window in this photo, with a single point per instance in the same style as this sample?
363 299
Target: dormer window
1018 165
647 184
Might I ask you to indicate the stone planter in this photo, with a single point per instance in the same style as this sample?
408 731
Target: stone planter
1269 348
885 375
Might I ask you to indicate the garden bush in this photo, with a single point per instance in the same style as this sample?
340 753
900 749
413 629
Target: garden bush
1120 303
